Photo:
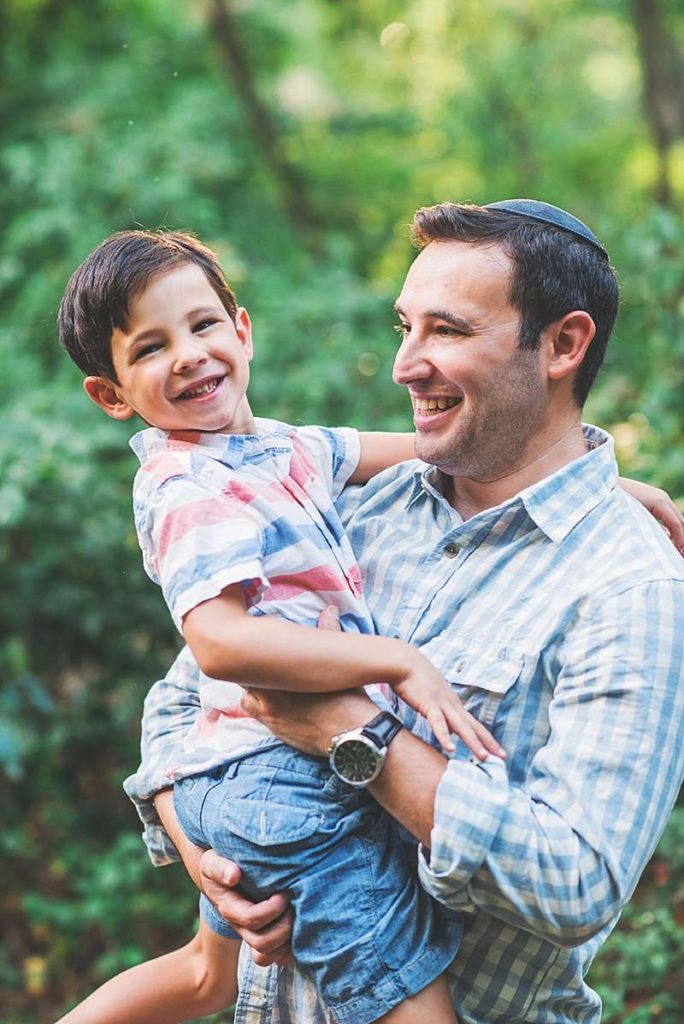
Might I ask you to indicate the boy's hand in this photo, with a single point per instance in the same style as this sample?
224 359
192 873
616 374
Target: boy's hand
429 693
266 927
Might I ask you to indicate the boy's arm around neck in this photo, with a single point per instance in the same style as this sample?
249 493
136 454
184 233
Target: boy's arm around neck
380 451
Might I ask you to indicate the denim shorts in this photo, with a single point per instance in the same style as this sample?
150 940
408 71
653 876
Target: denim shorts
364 929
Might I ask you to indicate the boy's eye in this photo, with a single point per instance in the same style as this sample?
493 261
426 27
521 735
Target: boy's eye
402 328
147 350
202 325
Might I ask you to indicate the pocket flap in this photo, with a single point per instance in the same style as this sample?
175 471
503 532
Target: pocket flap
470 665
270 824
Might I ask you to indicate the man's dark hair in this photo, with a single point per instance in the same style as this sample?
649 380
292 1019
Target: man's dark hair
98 296
554 272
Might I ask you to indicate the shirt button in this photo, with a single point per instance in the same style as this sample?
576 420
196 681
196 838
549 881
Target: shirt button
451 550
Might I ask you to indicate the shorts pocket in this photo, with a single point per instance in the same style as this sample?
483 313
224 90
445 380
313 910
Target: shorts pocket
266 823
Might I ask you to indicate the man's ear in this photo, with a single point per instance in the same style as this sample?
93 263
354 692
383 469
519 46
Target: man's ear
567 342
105 393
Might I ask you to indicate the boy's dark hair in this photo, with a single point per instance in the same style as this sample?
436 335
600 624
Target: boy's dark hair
554 272
98 296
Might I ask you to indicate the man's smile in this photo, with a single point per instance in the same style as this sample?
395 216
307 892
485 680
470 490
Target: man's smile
436 404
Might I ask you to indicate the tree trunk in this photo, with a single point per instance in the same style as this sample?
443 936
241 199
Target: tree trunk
663 85
292 189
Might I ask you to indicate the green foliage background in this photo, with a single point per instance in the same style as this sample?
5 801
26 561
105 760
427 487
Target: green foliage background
117 113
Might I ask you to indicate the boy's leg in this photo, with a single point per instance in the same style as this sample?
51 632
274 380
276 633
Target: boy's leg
198 979
364 930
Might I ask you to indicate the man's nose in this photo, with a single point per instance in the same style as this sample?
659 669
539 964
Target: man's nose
410 362
188 353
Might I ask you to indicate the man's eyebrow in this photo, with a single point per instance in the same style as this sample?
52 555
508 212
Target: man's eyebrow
440 314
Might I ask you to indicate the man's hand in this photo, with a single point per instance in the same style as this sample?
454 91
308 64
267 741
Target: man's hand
308 721
266 927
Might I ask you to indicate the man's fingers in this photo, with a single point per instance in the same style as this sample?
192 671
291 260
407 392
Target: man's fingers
330 618
241 913
250 703
272 943
218 869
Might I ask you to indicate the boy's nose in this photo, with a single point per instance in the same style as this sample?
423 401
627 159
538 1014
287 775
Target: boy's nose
188 355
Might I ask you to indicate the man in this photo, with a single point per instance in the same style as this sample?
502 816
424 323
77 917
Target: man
552 602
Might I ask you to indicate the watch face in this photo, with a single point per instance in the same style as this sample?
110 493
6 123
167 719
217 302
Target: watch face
355 761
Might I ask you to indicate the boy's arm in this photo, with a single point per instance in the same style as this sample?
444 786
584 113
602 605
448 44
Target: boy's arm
380 451
660 505
259 651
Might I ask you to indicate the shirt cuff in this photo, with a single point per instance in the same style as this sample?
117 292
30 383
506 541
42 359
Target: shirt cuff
141 789
469 807
159 847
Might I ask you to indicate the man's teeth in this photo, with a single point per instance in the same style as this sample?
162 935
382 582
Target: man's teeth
203 389
435 404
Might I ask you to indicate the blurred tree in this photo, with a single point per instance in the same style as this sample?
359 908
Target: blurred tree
663 72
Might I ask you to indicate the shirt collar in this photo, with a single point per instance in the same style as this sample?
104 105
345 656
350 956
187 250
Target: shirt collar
558 502
230 449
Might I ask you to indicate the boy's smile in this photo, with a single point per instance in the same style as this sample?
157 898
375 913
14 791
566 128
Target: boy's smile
181 364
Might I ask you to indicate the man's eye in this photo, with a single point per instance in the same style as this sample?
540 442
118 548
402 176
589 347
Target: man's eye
447 331
402 329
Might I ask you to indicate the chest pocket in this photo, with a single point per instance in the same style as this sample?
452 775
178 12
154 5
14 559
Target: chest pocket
480 674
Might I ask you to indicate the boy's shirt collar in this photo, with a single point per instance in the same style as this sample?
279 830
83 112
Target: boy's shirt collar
230 449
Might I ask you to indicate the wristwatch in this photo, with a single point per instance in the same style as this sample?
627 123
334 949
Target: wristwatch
357 755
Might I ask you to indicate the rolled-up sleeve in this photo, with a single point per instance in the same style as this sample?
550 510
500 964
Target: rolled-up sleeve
560 853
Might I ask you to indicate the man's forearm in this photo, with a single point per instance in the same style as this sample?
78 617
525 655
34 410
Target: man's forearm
407 784
412 771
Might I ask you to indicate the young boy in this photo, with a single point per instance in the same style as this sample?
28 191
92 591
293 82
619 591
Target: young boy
236 521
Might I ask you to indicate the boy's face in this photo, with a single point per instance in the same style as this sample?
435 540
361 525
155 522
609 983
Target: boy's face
182 364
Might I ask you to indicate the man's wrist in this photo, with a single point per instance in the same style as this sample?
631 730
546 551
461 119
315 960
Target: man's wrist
353 711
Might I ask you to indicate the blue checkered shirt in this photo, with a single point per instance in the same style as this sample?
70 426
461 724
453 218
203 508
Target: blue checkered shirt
558 616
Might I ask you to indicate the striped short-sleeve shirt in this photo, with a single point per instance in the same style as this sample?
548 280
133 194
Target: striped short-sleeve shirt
212 510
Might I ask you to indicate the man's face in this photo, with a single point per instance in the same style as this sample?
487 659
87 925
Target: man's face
478 399
183 364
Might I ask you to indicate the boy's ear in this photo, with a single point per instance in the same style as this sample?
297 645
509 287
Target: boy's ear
243 329
106 394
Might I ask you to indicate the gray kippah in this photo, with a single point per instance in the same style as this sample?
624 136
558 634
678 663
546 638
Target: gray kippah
548 214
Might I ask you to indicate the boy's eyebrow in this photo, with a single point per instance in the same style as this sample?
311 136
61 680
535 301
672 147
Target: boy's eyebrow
440 314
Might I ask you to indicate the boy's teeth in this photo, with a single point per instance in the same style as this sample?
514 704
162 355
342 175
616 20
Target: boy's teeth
211 385
434 404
